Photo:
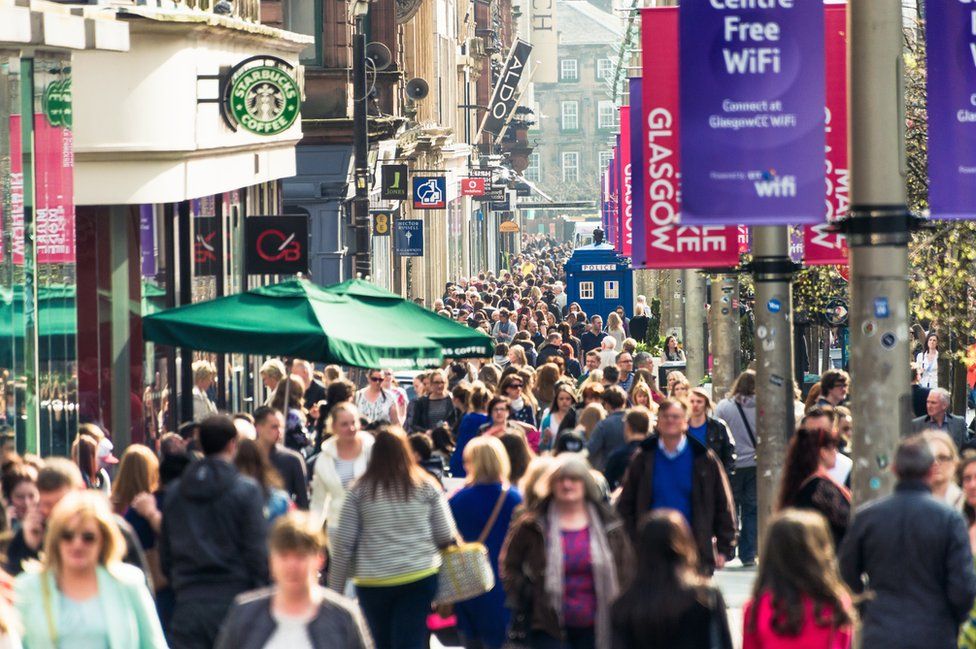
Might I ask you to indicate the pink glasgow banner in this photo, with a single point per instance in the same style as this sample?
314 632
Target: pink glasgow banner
821 247
670 244
626 185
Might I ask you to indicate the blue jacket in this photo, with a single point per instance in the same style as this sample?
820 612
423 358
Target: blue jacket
129 610
468 429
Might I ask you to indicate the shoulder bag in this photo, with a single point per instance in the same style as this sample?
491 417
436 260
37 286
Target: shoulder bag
465 568
742 413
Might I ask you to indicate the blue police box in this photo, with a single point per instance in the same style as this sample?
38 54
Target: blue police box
600 279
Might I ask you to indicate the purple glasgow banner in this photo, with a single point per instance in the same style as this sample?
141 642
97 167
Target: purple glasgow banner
638 256
752 112
951 29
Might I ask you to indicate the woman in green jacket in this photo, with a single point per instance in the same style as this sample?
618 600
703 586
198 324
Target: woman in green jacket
82 595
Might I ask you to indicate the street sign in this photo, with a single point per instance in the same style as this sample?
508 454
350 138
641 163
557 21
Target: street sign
409 239
508 226
472 186
429 192
393 182
382 220
276 245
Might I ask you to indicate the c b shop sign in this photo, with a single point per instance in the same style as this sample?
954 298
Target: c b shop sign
260 95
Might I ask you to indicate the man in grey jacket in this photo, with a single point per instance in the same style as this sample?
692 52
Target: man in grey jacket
939 418
911 552
738 410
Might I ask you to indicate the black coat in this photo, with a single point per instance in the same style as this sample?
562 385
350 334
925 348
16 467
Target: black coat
915 553
213 542
720 440
337 624
291 468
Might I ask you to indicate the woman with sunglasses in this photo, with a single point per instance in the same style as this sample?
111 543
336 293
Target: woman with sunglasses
523 405
806 479
83 595
375 403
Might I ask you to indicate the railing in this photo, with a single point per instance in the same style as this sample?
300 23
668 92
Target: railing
249 10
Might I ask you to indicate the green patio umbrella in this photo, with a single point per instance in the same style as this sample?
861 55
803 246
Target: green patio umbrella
456 340
299 319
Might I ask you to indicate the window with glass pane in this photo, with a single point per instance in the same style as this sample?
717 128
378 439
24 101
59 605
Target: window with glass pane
604 68
570 115
611 290
605 159
570 165
586 290
606 115
569 70
533 172
305 17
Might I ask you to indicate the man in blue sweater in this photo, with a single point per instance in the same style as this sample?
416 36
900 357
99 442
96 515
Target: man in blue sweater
674 471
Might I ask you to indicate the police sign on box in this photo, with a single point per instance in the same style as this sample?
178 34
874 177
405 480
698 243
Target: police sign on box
752 111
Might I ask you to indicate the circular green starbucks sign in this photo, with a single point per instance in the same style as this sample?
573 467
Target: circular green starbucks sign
264 100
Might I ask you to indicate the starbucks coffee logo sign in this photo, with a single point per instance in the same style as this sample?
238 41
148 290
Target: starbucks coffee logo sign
261 95
56 102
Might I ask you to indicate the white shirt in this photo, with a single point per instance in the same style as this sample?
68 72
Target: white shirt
291 632
928 371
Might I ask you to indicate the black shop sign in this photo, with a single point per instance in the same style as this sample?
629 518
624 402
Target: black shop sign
276 245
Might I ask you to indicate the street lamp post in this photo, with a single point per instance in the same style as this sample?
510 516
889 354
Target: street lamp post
878 232
360 203
773 272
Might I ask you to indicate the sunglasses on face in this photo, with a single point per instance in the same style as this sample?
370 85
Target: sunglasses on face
376 379
516 386
88 538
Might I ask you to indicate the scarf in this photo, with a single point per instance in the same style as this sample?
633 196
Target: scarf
604 571
518 404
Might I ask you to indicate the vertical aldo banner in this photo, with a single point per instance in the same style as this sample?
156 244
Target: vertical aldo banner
752 111
951 30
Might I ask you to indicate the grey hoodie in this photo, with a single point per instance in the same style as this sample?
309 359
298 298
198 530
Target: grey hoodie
727 411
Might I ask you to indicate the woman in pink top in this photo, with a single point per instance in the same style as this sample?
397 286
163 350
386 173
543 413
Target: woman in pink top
799 600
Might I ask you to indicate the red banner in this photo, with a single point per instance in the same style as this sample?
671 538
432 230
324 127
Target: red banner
669 244
626 186
820 246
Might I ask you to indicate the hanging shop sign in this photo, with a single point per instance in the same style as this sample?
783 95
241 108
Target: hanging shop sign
508 226
752 117
409 237
505 95
276 245
429 192
493 195
393 182
382 223
56 102
205 238
260 95
670 243
951 40
504 204
638 252
472 187
821 246
626 185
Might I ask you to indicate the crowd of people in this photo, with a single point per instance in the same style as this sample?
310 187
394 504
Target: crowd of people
605 502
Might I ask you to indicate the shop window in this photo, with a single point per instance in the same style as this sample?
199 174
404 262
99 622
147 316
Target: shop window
586 290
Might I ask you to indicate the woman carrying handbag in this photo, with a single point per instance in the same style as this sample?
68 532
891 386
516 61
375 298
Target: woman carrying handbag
484 508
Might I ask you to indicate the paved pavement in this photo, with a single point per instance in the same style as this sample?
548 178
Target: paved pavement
736 584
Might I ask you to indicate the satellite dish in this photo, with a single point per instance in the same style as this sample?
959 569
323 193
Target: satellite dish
417 88
379 55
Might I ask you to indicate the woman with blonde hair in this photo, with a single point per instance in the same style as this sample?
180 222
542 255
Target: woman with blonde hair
615 328
588 418
565 561
344 458
82 595
138 473
641 395
483 511
516 356
538 468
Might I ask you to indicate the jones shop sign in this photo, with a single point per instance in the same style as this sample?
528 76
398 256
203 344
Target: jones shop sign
260 95
276 245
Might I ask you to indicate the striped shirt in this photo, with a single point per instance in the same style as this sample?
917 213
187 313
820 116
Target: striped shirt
388 541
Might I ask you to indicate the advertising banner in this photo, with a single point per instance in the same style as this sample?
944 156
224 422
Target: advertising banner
505 95
752 119
821 247
409 239
626 185
638 255
670 244
951 30
611 232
